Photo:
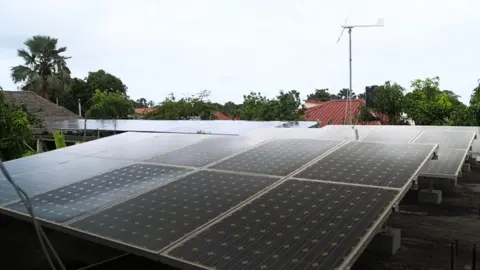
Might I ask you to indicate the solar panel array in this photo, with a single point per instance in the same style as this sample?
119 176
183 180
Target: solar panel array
263 200
448 165
225 127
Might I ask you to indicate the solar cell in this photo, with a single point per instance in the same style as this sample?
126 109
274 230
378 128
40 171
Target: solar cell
30 163
395 135
370 163
54 176
147 148
297 225
277 157
71 201
447 139
448 164
161 216
287 133
209 150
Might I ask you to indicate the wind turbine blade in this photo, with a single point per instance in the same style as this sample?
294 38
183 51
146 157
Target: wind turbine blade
341 33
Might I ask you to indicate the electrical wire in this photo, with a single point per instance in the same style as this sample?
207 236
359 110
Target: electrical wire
42 237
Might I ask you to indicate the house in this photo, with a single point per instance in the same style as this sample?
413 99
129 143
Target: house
45 110
142 111
221 116
336 112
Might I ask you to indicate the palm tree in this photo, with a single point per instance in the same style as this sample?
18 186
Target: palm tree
45 70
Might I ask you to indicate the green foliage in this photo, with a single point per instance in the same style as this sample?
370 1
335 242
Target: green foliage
59 140
77 90
194 107
45 70
343 94
230 108
388 99
319 95
143 103
366 115
428 105
15 131
110 106
285 107
107 82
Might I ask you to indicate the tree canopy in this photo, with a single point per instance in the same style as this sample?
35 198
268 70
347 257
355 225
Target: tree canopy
110 105
45 70
105 81
388 99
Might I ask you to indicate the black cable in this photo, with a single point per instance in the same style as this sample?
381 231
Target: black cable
42 238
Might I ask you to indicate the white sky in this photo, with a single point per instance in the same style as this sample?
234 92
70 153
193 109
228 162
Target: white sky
236 46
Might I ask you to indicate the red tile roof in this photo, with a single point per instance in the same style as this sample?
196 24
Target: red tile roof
221 116
143 110
333 112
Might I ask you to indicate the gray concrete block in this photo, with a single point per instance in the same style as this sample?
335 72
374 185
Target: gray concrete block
386 242
433 196
446 185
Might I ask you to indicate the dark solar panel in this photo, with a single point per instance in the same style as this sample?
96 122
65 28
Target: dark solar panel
392 134
68 202
297 225
205 152
449 163
278 157
369 163
34 162
155 219
447 139
53 176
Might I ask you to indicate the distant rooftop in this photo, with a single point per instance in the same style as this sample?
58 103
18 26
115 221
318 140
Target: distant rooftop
45 110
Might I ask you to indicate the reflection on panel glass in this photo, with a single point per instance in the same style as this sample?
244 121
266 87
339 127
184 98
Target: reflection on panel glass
447 139
394 135
157 145
209 150
65 203
54 176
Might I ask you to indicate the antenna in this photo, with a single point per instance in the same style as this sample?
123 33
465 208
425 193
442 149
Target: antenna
379 23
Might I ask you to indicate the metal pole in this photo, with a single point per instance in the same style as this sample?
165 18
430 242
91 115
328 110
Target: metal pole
474 257
350 66
452 256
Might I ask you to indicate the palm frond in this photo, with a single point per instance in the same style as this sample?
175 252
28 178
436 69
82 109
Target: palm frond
26 56
21 73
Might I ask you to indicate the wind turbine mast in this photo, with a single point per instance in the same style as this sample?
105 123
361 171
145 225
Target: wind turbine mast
380 23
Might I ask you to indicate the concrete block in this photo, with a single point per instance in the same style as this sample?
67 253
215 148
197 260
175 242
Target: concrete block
433 196
446 185
466 167
386 242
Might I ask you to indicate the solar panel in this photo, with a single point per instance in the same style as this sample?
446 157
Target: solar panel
53 176
395 135
297 225
161 216
448 164
287 133
206 151
370 163
30 163
226 127
447 139
71 201
277 157
147 148
344 132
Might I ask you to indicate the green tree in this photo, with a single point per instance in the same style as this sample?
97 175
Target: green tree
45 70
195 107
426 104
319 95
343 93
77 90
110 106
16 132
107 82
388 99
144 103
287 106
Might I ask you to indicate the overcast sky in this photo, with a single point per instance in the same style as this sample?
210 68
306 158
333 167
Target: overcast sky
232 47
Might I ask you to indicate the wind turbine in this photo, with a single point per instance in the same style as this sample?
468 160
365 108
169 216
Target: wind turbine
380 23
